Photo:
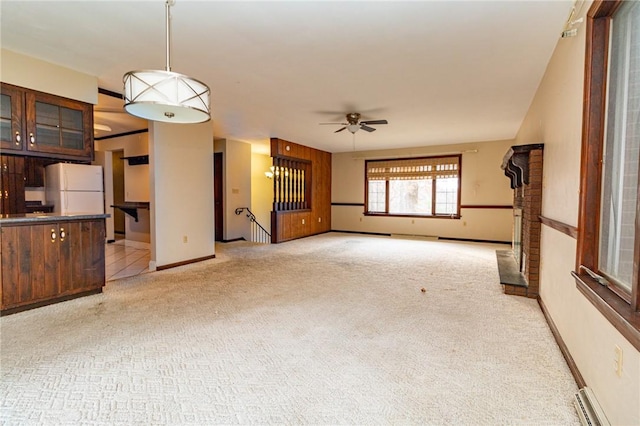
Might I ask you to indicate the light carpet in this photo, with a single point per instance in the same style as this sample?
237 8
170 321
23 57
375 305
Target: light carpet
332 329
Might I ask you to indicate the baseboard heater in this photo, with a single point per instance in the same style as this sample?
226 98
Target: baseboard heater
589 410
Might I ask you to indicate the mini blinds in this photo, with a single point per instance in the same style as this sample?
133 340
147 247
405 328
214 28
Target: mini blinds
414 168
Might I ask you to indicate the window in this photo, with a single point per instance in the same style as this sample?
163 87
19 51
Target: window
608 255
428 186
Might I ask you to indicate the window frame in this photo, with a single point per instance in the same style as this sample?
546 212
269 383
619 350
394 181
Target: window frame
433 193
618 306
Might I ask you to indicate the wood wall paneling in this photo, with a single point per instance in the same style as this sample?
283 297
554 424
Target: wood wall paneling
287 225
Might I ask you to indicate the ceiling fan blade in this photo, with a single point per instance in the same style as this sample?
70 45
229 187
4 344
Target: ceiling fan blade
343 124
339 130
367 128
374 122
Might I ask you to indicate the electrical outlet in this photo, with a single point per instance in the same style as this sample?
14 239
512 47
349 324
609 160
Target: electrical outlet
617 360
185 239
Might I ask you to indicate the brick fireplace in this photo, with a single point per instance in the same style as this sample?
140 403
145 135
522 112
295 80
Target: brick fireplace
519 267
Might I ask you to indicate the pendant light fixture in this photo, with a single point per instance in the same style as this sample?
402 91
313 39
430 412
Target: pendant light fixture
165 95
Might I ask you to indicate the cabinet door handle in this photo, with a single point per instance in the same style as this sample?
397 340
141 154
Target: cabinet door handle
53 235
62 234
6 194
32 138
18 138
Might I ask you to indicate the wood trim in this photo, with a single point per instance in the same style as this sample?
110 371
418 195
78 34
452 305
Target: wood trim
233 240
594 113
596 61
132 132
348 204
381 234
184 262
473 240
415 216
563 347
110 93
612 307
486 206
569 230
42 303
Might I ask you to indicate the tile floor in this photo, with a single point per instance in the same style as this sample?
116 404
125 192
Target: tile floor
125 258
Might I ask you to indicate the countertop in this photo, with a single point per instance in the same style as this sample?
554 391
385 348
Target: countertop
20 218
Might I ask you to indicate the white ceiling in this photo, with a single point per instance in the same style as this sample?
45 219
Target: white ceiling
439 71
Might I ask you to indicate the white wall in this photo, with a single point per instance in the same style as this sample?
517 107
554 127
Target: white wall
237 187
261 189
136 183
181 172
483 183
555 118
101 158
46 77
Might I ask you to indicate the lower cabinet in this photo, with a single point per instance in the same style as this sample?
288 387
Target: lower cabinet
12 184
47 262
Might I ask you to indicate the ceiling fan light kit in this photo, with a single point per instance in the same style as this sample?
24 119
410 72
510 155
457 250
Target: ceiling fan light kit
163 95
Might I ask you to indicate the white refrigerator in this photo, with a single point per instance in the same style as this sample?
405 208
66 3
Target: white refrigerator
74 188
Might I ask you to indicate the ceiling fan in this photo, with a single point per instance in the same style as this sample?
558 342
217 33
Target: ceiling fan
354 124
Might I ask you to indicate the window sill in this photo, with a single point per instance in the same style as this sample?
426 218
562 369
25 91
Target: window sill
615 309
440 216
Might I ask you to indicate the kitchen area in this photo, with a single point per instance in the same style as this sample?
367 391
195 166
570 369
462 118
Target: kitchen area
57 202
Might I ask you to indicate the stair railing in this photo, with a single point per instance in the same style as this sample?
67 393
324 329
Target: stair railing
258 233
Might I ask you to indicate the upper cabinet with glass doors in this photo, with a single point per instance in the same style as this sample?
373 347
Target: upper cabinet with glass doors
47 124
11 118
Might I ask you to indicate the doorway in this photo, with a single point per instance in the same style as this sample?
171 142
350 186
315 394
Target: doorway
218 210
118 193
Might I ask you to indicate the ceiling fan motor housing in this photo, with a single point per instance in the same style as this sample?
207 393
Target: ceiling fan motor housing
353 118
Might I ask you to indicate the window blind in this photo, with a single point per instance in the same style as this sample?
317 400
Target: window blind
413 168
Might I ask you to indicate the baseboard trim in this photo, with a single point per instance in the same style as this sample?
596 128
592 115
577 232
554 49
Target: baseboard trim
42 303
233 240
184 262
473 240
563 347
297 238
383 234
361 232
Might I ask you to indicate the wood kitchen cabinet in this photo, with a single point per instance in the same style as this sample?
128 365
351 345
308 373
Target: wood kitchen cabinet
12 194
39 124
49 261
11 118
34 170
